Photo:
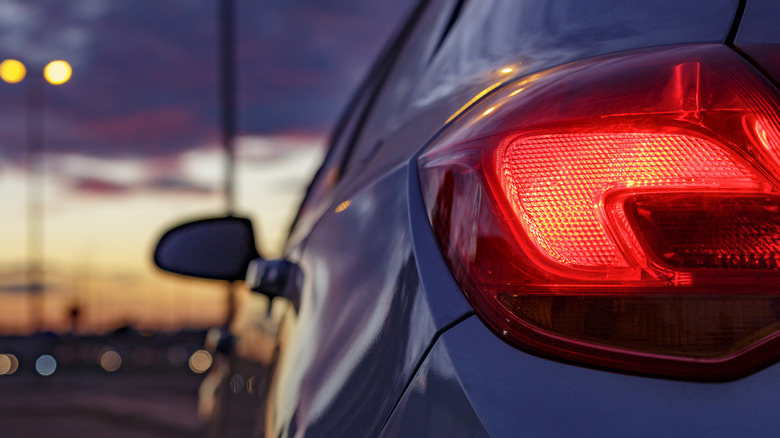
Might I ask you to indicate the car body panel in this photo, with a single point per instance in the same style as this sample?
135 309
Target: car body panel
377 292
758 37
363 324
759 23
514 393
435 404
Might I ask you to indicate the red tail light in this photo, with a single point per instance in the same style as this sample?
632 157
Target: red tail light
621 212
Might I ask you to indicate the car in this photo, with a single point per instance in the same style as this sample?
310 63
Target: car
548 218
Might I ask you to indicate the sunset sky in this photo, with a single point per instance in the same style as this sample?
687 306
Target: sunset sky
131 141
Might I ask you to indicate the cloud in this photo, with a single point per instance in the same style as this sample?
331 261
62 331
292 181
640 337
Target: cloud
146 73
97 186
118 176
173 184
15 15
195 171
270 149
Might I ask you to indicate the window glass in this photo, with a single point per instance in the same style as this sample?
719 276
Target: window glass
397 91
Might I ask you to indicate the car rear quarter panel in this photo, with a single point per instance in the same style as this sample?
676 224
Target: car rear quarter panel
377 293
516 394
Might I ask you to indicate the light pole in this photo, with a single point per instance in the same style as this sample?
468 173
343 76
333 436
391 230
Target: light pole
56 73
227 54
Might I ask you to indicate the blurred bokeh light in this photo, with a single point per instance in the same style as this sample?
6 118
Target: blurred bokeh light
8 364
12 71
200 361
45 365
57 72
110 361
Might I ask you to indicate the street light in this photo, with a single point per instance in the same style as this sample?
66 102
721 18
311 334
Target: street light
56 73
12 71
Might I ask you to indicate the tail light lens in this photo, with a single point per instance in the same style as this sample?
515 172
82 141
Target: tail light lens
621 212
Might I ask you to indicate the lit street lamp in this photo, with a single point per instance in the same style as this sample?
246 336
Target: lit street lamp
56 73
12 71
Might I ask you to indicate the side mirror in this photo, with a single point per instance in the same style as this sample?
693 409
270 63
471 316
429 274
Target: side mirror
217 248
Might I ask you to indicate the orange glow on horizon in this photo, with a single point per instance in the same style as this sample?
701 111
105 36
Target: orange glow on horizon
97 250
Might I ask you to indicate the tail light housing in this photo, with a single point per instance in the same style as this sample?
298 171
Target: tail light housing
621 212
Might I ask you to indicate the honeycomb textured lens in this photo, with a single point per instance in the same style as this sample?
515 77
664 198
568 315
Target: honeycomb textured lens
556 184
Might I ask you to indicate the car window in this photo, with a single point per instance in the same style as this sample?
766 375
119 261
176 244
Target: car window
397 91
354 118
328 174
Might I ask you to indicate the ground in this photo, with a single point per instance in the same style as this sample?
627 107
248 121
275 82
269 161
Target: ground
153 398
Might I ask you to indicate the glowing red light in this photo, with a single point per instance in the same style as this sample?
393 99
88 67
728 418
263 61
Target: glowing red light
557 183
622 212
